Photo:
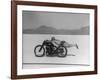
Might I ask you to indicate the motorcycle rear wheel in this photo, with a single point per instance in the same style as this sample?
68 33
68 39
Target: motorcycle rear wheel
39 53
64 54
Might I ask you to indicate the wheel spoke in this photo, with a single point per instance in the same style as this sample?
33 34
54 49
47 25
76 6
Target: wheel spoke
64 53
37 51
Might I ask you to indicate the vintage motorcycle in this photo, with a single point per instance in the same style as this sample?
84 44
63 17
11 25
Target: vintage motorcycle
48 49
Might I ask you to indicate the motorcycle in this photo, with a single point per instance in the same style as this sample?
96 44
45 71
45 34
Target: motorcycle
48 49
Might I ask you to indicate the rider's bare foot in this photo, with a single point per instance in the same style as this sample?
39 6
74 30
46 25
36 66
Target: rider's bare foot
77 46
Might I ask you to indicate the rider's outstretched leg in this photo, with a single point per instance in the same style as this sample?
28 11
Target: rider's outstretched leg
70 45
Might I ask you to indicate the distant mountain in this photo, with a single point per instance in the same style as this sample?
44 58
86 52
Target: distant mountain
51 30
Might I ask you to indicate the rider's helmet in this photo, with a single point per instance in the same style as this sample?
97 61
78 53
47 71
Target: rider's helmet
53 38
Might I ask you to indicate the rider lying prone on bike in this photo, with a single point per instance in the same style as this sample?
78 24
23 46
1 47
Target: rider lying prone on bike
53 47
57 42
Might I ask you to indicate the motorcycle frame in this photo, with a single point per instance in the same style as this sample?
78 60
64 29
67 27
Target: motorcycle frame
55 51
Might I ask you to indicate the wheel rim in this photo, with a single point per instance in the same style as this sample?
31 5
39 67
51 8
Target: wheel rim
63 53
37 51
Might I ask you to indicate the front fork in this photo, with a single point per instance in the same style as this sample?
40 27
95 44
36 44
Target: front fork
42 46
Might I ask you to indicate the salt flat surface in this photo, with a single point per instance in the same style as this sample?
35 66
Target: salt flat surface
81 58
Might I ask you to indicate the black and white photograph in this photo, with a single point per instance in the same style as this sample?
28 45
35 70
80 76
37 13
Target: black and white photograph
55 39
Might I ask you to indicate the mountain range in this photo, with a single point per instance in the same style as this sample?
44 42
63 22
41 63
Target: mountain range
52 30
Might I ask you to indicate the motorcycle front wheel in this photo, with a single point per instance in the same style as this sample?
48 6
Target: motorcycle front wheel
64 53
37 51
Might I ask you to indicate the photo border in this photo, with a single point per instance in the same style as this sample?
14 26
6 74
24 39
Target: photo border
14 38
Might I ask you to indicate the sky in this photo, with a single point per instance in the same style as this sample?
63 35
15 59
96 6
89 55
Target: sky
33 20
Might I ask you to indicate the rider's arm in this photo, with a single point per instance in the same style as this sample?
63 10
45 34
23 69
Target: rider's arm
57 41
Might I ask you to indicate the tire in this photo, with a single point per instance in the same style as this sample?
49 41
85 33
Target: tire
37 53
64 54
